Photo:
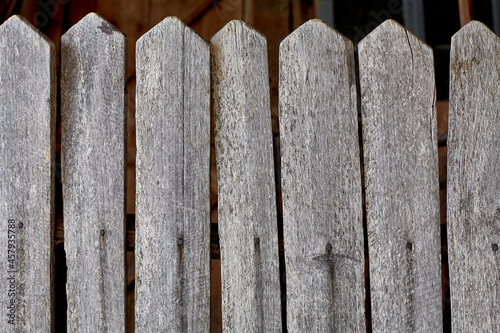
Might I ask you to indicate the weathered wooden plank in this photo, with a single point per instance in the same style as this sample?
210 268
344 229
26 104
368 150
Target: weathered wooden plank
173 185
321 181
247 208
474 180
93 112
27 143
401 178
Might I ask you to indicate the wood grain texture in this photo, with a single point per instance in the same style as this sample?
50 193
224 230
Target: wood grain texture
247 208
401 178
474 180
321 181
27 143
93 112
173 185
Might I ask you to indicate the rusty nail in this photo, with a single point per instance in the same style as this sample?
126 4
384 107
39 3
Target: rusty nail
256 240
180 241
409 245
20 225
328 247
494 247
102 232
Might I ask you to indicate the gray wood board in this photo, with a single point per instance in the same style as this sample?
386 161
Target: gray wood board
245 172
93 113
401 179
27 142
321 181
173 185
474 180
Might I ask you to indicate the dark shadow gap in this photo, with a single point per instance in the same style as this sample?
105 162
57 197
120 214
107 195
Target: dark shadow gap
368 308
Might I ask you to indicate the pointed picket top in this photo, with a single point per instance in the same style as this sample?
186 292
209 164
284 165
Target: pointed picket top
93 22
237 27
19 24
169 24
473 43
315 26
475 27
389 30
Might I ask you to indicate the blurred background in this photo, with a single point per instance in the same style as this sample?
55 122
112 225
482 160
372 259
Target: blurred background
432 21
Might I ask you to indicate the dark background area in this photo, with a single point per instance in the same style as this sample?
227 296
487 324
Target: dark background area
275 19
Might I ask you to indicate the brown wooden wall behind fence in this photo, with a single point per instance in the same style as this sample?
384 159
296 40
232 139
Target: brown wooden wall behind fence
332 170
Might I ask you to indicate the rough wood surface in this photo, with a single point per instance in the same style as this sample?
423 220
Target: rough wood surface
401 178
27 142
173 185
321 181
247 208
93 116
474 180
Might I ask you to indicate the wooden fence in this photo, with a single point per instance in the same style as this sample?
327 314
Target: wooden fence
180 78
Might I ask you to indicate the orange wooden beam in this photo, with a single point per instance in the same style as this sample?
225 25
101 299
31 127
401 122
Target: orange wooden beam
465 9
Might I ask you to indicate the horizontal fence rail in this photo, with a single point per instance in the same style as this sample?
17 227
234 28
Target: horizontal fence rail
329 158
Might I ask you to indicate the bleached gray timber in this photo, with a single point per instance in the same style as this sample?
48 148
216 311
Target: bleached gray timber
401 177
245 172
93 103
173 186
27 143
474 180
321 181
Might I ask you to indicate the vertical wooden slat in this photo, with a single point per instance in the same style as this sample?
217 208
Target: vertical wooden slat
173 185
27 128
93 116
247 209
465 11
321 181
474 180
401 178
